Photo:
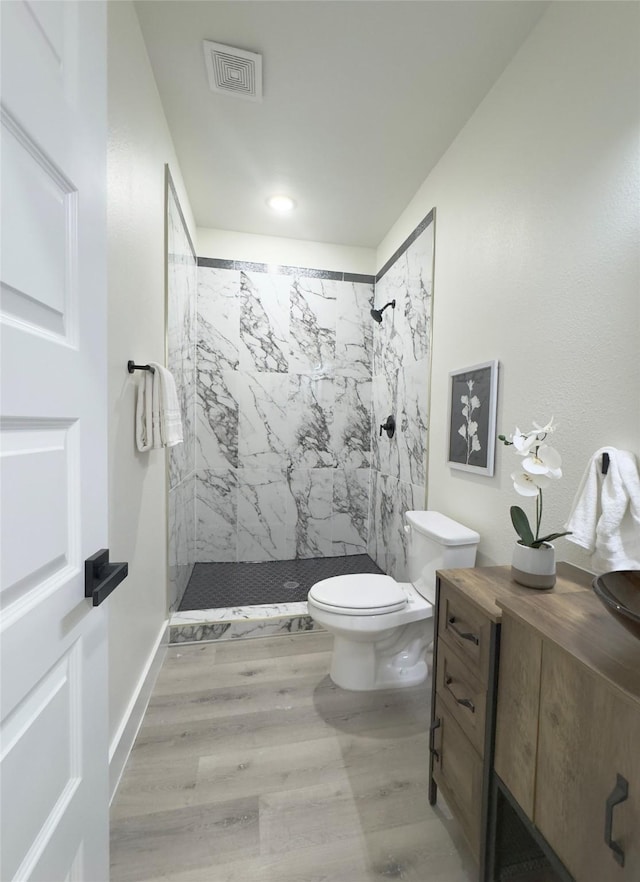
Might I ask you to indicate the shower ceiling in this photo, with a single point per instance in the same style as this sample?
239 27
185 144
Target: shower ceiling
361 99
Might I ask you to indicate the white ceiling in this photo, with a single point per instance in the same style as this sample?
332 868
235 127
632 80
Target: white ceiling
361 99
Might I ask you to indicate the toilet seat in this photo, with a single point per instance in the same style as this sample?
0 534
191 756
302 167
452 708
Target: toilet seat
361 594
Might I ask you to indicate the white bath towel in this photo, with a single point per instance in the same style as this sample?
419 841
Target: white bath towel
605 516
158 417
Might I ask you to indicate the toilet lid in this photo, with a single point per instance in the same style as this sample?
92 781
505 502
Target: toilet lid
362 594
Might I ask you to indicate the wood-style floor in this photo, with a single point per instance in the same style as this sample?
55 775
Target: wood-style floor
251 766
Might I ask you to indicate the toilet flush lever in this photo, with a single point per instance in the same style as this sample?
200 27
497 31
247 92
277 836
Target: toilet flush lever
389 427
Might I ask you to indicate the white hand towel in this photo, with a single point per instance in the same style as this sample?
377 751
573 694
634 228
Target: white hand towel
585 510
144 413
605 517
618 530
158 417
166 407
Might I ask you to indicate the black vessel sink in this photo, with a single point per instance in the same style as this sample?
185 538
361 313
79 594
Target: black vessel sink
619 591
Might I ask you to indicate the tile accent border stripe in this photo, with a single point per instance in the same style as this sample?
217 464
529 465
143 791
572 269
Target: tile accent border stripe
249 267
411 238
217 263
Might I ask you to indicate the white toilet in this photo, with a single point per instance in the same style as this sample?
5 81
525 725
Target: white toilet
383 629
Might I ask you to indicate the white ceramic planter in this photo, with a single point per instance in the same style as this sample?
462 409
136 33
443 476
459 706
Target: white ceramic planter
534 567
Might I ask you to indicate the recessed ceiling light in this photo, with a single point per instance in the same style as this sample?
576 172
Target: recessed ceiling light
281 204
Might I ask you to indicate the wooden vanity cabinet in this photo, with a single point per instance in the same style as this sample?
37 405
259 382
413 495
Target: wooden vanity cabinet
589 734
466 659
568 732
464 688
519 697
458 772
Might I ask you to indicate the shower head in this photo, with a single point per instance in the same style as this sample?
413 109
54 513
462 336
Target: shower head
376 314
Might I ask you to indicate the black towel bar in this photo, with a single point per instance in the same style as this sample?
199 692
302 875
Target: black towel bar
131 367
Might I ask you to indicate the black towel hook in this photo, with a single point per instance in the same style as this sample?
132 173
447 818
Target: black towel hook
131 367
605 463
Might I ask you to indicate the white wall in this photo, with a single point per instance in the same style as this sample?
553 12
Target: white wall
537 259
228 245
139 146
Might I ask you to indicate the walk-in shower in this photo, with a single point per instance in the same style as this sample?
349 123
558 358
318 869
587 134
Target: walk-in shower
288 390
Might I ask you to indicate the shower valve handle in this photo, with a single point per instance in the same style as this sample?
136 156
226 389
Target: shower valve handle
389 427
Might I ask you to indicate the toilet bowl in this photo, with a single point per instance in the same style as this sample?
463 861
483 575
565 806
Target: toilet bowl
383 629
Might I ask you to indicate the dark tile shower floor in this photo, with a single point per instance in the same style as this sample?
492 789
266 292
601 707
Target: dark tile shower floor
275 581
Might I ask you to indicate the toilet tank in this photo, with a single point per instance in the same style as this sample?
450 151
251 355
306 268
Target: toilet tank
436 542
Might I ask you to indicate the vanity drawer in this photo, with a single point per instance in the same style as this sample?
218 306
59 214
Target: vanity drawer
457 770
466 629
464 696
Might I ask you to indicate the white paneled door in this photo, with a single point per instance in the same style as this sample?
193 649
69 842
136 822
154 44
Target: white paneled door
53 440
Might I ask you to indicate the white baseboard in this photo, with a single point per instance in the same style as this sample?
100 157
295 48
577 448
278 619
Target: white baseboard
123 740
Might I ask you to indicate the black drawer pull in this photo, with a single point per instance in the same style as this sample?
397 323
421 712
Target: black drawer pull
619 794
465 635
432 728
465 702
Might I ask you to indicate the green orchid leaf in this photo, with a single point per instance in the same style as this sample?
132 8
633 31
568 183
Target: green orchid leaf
521 525
550 538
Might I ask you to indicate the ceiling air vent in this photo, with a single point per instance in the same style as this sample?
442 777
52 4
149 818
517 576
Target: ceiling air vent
233 71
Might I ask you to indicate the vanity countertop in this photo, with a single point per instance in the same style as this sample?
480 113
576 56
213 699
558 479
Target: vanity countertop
489 587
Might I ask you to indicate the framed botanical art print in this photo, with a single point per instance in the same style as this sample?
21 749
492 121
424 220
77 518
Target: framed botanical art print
473 396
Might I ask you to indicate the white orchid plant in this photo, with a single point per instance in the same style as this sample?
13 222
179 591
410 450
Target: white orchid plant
541 464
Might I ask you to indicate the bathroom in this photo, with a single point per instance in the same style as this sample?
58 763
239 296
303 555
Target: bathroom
535 265
521 211
527 271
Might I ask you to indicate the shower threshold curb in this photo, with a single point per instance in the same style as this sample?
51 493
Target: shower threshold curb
246 622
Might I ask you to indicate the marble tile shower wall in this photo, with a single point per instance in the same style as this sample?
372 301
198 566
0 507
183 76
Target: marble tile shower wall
283 415
401 376
182 280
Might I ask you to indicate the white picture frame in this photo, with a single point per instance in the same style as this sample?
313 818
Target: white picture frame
472 422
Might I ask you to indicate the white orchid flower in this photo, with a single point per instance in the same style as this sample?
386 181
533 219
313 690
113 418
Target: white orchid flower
528 485
547 430
544 460
522 443
475 402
